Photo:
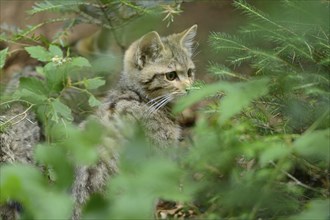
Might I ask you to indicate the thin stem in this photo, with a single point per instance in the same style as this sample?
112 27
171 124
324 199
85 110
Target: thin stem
24 114
16 100
298 182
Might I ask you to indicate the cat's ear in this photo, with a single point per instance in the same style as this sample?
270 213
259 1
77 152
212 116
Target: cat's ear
187 38
149 47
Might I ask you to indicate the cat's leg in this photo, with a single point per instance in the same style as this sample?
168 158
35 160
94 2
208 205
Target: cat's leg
80 190
90 180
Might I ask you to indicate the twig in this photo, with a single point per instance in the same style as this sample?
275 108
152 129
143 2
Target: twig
91 19
298 182
15 100
24 114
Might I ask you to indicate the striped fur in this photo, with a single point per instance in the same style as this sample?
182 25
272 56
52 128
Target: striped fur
144 95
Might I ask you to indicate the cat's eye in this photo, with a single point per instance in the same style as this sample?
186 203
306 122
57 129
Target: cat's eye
171 75
190 72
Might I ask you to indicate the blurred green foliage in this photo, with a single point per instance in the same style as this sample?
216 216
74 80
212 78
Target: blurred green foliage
260 145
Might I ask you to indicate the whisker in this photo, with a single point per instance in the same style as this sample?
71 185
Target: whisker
153 108
159 100
154 99
156 107
155 104
164 103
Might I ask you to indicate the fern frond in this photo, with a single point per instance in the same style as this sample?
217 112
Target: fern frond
224 72
258 15
28 33
56 6
325 61
226 42
307 11
3 37
297 44
135 7
267 60
262 32
300 48
238 60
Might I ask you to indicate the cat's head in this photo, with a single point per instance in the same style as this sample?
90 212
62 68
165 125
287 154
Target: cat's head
160 66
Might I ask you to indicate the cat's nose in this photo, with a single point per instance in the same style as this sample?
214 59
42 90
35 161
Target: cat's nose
186 85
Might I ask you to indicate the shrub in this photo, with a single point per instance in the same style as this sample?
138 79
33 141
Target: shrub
259 145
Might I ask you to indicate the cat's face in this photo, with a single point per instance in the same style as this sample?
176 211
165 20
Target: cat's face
161 67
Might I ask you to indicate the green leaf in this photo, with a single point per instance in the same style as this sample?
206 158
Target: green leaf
315 209
39 53
273 153
80 62
55 51
30 96
82 142
40 70
314 146
54 157
52 205
60 111
55 76
93 83
158 178
4 37
32 90
3 55
34 85
17 180
195 96
239 95
25 184
96 207
93 102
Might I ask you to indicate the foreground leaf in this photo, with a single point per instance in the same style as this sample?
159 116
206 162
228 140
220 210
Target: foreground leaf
39 53
94 83
25 184
80 62
3 55
55 51
314 146
93 102
238 96
60 110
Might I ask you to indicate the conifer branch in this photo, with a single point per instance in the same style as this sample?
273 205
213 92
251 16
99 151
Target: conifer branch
62 6
253 12
224 72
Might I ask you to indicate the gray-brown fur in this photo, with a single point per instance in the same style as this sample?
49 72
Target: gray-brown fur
18 139
144 95
16 145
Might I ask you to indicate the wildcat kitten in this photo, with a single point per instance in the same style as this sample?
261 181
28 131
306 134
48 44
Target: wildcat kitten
156 71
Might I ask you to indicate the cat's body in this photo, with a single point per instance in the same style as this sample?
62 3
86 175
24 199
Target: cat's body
156 71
